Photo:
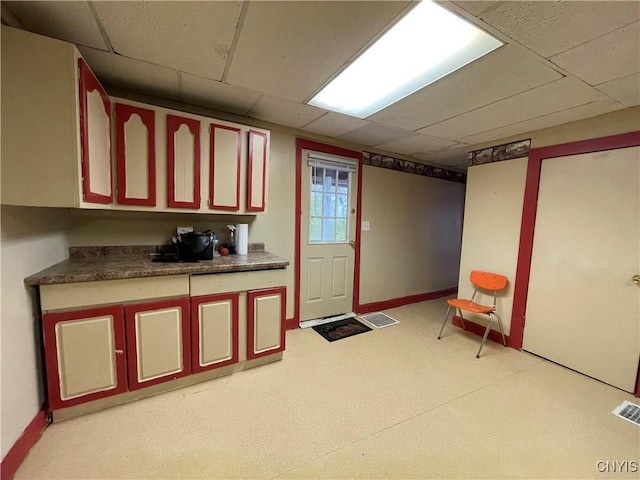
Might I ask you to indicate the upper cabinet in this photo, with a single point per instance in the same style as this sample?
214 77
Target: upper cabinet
62 137
56 127
201 165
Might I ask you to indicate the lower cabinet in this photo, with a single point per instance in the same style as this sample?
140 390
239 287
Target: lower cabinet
214 331
97 352
158 342
266 311
84 355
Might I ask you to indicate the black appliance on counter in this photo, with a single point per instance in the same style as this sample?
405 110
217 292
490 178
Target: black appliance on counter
194 246
190 247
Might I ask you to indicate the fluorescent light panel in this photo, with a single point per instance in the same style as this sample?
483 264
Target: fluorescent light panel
426 45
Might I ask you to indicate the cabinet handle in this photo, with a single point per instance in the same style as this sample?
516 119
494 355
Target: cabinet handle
119 352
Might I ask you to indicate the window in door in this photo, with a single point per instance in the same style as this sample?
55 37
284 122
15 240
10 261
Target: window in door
329 205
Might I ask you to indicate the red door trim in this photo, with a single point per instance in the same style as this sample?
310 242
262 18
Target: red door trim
148 117
251 328
250 206
195 330
49 322
529 210
305 144
88 83
174 122
132 349
212 163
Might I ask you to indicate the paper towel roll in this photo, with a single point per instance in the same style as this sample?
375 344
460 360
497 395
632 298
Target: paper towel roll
242 238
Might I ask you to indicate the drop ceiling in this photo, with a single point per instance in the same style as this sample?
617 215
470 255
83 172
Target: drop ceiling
562 61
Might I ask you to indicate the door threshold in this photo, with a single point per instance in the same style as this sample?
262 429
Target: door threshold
321 321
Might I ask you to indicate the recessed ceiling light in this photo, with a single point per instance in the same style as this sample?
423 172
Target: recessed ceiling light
424 46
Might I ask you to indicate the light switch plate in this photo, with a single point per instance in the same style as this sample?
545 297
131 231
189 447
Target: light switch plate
365 225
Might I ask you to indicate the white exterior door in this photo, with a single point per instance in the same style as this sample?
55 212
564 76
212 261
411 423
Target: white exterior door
583 308
329 193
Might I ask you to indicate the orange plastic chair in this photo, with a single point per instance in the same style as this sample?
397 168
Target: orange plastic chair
482 281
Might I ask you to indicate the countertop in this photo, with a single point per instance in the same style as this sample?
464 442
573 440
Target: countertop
132 265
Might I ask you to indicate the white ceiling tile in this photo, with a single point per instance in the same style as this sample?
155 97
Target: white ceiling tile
217 95
333 124
284 112
625 89
475 7
193 37
418 143
550 98
289 49
139 77
374 134
70 21
611 56
557 118
551 27
502 73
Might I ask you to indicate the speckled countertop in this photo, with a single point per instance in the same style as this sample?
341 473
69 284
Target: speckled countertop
113 263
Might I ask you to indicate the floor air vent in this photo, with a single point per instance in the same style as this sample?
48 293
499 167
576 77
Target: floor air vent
379 320
629 411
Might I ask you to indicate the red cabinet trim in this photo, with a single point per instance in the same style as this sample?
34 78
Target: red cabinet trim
174 122
212 200
88 83
49 322
123 114
132 349
251 327
195 330
250 179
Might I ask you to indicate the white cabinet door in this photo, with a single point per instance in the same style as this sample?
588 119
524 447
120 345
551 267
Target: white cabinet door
257 171
225 157
95 138
84 355
265 321
158 346
183 162
214 331
136 155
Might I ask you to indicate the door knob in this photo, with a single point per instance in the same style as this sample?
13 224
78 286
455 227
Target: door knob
636 279
352 243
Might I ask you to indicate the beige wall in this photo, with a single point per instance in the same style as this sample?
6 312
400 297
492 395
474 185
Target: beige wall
495 193
31 239
491 234
414 243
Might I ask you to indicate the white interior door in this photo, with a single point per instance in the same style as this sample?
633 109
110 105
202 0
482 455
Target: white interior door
329 193
583 309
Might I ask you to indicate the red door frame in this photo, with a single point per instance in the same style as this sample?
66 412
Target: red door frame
529 210
305 144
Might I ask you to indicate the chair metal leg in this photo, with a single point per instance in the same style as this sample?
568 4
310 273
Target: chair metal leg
486 334
504 342
464 326
446 315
